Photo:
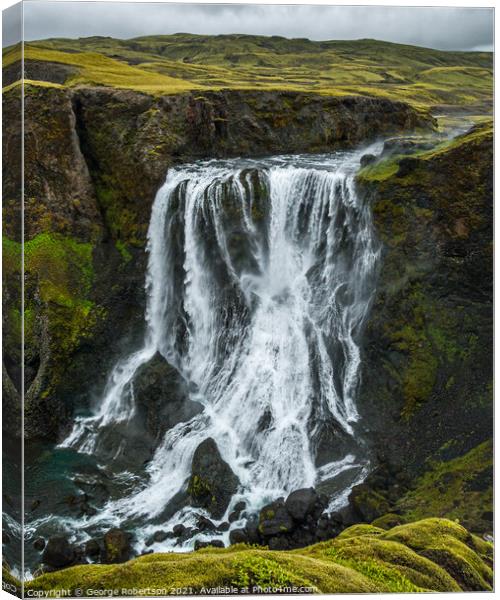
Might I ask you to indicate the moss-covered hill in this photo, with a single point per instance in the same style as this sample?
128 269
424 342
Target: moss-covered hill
178 63
429 555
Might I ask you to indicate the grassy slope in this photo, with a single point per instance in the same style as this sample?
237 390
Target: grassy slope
175 63
433 554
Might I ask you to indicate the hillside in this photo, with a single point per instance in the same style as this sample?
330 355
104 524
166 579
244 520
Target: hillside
181 62
430 555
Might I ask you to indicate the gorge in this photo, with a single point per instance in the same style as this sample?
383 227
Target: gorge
304 301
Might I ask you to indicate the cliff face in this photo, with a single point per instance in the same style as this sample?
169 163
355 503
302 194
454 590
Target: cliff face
427 388
94 158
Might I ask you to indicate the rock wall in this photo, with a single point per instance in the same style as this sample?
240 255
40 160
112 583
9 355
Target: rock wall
427 379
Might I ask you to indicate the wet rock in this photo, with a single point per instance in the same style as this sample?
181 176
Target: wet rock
117 546
238 536
58 552
86 509
368 503
205 524
212 483
252 530
178 529
279 543
236 512
35 504
160 536
92 549
406 166
207 544
304 502
39 544
162 396
5 538
93 487
328 527
274 518
367 159
406 145
223 526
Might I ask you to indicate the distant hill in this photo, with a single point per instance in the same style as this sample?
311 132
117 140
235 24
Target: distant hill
175 63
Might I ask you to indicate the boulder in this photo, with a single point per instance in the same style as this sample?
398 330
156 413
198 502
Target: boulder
367 159
207 544
160 536
212 483
303 502
39 544
275 519
367 503
235 514
117 546
92 549
58 552
162 396
238 536
178 529
205 524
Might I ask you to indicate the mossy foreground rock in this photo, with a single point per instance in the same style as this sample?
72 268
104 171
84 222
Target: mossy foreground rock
212 482
429 555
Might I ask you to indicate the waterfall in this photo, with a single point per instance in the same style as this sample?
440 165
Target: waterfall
259 280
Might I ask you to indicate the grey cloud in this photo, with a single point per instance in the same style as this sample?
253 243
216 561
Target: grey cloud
12 25
443 28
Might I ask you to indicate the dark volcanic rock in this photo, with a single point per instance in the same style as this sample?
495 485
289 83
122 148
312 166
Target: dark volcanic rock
301 503
39 544
274 518
369 504
162 396
117 546
367 159
238 536
178 530
212 483
92 549
198 544
58 552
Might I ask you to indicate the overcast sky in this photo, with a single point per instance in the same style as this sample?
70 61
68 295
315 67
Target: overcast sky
444 28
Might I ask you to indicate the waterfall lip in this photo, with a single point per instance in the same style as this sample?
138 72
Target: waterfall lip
259 347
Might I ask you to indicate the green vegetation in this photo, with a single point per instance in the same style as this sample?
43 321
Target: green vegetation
460 489
176 63
58 278
433 338
430 555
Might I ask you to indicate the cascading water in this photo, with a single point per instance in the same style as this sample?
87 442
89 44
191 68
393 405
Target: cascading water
259 279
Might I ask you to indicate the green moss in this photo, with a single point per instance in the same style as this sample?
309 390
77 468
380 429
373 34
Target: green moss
379 561
458 489
379 171
360 530
122 222
257 571
388 521
123 250
389 577
10 583
63 266
464 556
